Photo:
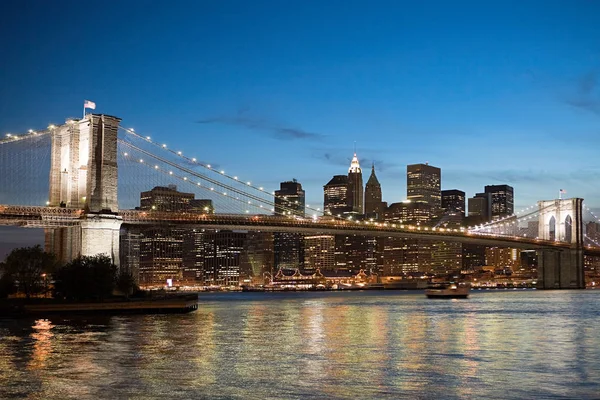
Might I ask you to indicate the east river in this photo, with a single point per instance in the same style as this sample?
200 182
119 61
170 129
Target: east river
508 344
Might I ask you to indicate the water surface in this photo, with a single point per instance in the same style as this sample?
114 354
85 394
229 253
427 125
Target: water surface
379 344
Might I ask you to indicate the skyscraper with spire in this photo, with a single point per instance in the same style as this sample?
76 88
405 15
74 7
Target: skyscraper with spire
373 205
355 187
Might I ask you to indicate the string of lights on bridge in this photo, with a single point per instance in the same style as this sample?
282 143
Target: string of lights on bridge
185 179
194 161
508 220
254 202
10 137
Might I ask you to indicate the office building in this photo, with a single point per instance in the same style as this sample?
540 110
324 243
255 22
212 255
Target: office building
222 250
453 201
290 199
355 193
374 207
257 263
162 198
480 208
502 200
319 253
335 201
161 255
423 184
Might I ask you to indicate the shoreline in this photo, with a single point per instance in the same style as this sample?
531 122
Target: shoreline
170 304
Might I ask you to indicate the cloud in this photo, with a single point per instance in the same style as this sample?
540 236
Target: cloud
277 131
587 93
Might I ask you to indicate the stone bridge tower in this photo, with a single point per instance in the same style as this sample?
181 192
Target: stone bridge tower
561 220
83 175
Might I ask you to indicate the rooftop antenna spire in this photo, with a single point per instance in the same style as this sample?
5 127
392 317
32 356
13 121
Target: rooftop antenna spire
355 147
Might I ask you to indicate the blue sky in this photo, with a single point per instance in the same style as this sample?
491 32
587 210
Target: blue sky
490 92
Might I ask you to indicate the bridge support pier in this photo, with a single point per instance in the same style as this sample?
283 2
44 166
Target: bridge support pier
560 269
100 235
97 234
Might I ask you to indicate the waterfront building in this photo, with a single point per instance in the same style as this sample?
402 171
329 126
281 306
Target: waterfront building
290 199
161 255
222 251
374 207
170 252
257 260
319 253
193 256
288 250
503 258
446 256
402 256
423 184
335 196
352 253
355 193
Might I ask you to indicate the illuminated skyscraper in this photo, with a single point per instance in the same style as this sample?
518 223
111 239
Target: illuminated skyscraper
453 201
355 187
335 193
502 198
423 184
373 205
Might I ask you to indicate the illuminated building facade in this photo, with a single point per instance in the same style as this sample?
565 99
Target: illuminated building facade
222 250
335 201
423 184
454 200
352 253
193 256
502 200
408 213
161 255
503 258
355 187
319 253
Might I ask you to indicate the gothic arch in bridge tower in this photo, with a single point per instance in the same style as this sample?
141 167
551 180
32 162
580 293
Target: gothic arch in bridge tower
561 220
561 267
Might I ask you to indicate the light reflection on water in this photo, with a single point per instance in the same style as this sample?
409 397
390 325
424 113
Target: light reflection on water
506 344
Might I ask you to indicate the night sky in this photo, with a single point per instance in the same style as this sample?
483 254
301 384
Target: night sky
491 92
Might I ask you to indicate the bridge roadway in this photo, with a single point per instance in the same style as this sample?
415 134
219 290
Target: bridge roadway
53 217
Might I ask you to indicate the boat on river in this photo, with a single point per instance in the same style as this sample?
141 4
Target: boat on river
449 290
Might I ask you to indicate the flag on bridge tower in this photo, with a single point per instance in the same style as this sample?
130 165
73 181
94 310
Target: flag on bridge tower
560 193
88 104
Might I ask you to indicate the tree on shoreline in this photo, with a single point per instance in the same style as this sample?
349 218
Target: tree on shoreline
85 278
28 268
